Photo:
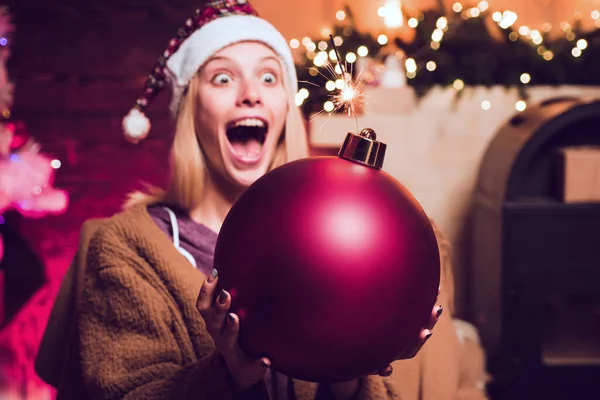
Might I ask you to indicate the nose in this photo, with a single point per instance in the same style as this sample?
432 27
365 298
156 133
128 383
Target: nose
249 94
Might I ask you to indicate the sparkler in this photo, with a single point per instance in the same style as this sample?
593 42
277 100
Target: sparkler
349 96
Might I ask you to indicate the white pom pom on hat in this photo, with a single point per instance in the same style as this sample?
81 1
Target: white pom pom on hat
136 125
214 26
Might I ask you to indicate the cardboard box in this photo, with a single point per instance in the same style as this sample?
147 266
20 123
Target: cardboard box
580 173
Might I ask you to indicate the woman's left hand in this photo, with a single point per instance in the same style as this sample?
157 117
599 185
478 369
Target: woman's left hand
346 390
426 333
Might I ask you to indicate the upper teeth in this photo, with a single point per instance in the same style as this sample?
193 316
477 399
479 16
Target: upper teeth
249 122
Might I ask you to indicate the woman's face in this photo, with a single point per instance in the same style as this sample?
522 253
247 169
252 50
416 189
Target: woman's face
242 111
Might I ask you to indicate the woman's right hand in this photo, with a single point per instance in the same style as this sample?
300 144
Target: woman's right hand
223 326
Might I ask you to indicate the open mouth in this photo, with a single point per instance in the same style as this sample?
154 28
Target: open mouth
247 137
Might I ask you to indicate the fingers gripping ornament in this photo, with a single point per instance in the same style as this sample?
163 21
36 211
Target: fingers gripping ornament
332 265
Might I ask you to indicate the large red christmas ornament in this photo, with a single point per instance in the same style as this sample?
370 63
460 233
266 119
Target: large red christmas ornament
332 265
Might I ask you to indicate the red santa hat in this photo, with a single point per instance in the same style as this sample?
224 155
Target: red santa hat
214 26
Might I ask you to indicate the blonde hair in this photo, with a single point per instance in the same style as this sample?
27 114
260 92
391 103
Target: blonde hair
188 167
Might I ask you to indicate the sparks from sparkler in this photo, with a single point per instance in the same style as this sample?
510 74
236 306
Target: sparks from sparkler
349 96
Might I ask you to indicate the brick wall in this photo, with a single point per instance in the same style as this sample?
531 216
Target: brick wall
78 67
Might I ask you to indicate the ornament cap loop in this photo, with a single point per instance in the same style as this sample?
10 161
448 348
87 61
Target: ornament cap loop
363 148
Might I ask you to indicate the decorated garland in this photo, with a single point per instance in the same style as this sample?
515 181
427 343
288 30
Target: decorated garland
468 47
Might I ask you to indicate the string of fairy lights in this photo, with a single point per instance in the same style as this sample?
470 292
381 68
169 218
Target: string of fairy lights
323 57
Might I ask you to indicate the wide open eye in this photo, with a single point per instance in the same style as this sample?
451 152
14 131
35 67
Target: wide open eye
222 79
269 78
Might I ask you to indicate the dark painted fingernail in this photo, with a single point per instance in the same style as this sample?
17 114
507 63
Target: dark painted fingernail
222 297
427 336
230 318
439 311
213 275
265 364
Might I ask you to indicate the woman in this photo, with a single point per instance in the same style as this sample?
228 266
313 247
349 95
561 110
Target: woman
149 324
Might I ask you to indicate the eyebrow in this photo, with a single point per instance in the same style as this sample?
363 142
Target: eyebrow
223 58
269 58
218 58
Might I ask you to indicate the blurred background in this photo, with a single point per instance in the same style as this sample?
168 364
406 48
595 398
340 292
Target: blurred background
489 109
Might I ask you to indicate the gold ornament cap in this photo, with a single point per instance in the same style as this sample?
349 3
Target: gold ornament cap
363 148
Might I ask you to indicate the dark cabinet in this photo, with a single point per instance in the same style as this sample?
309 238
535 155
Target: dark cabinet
535 273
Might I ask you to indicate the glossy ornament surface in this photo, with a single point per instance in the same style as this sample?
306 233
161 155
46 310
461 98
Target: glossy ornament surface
332 265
